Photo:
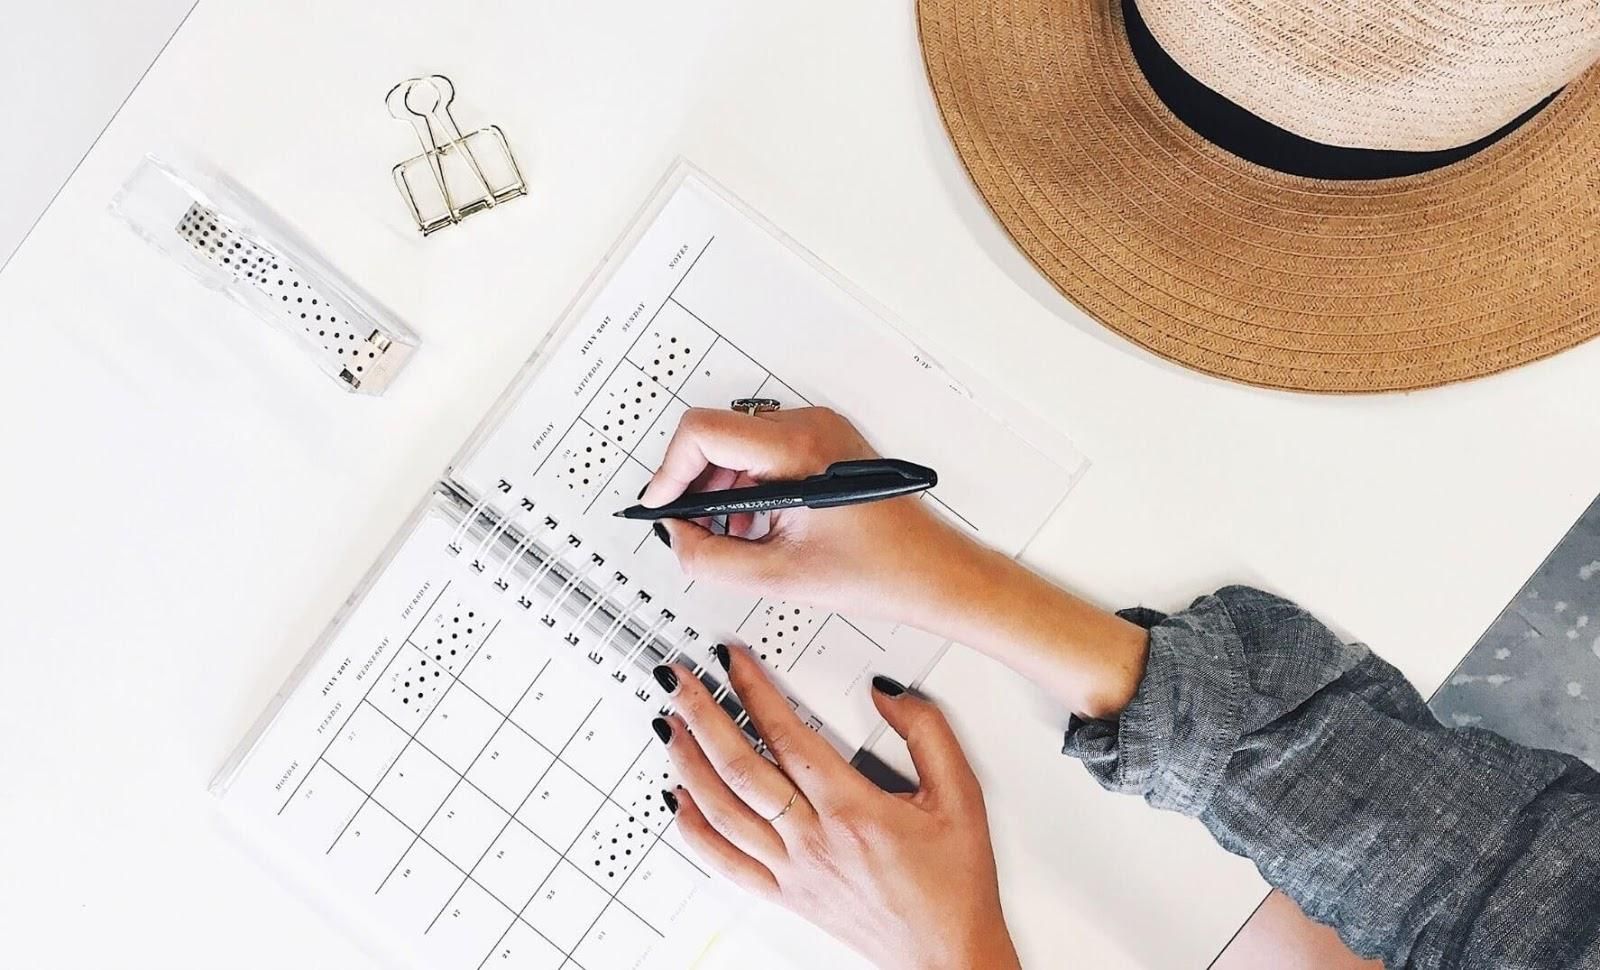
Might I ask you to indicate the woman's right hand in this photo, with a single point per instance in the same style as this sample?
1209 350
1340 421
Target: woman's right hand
893 559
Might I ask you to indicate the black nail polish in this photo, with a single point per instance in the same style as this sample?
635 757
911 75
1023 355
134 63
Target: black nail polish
663 728
662 534
720 651
888 687
642 491
666 678
671 800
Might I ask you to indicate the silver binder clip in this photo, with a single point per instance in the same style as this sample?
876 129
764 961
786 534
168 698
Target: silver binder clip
456 175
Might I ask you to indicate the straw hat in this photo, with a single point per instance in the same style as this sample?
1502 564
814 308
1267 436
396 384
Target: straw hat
1322 195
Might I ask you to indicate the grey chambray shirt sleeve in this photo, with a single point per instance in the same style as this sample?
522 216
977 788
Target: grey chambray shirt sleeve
1426 846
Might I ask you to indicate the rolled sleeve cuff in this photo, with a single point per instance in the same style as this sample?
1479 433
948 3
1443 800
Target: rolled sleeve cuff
1173 741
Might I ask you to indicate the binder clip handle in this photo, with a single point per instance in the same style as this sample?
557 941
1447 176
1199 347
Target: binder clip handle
449 157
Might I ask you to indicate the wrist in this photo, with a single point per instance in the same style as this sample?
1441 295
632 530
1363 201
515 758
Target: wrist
988 949
1091 659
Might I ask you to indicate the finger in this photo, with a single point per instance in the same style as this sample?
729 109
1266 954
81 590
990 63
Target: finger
943 772
717 852
740 523
757 781
702 554
804 755
724 810
741 442
714 479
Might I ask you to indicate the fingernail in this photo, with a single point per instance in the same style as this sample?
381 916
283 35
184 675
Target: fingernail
666 678
671 800
722 655
642 491
888 687
662 534
663 729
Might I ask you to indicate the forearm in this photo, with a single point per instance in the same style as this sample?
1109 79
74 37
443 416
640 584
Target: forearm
1424 845
1089 659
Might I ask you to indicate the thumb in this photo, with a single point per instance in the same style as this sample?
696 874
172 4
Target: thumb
942 767
728 560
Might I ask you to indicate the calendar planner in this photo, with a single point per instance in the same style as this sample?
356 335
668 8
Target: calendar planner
462 767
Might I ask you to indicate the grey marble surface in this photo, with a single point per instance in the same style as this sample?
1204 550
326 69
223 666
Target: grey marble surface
1535 674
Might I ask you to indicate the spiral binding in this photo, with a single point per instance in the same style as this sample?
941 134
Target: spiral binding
544 572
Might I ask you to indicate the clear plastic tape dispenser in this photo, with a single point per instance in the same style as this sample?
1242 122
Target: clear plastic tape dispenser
232 242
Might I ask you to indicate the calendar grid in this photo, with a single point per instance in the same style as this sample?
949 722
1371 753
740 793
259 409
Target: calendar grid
514 819
557 759
454 680
614 902
672 392
510 816
770 376
613 894
322 757
511 812
543 882
518 915
522 731
672 395
642 331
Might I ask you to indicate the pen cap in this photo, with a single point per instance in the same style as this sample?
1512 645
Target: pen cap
866 467
869 480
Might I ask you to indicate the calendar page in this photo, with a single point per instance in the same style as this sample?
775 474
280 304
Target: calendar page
449 772
464 765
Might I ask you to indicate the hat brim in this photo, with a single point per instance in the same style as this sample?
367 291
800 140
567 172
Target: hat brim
1247 273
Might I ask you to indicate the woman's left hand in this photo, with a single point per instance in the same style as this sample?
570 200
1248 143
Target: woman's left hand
908 881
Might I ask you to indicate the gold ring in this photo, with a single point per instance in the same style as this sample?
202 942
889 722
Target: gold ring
792 799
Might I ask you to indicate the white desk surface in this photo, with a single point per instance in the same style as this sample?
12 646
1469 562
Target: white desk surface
189 502
65 67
